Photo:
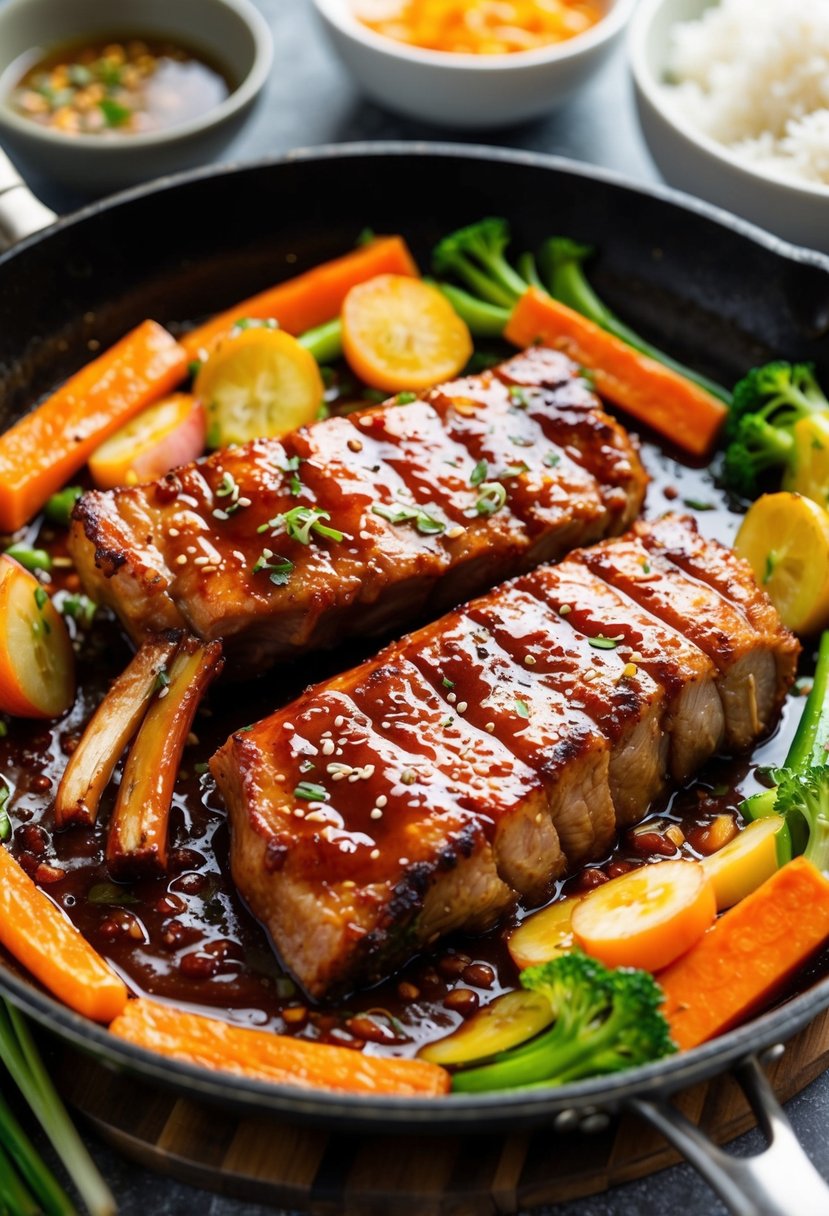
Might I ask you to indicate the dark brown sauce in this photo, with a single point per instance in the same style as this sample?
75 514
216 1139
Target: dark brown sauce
187 938
116 86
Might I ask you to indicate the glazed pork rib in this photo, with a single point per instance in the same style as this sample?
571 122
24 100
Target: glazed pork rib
431 501
483 757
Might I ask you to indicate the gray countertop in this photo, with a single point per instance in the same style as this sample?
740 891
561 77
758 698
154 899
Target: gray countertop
309 101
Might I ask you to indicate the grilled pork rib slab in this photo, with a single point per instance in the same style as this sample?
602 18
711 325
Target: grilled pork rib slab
222 547
482 757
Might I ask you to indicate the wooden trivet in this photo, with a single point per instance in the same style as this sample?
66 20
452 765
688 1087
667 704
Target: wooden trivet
332 1174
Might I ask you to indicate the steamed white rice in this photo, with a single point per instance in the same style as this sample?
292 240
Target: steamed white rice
754 75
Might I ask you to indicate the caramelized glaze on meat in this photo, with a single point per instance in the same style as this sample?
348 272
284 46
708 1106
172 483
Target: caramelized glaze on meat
482 757
188 550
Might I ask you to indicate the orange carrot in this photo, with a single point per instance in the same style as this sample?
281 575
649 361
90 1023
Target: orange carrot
309 299
56 439
42 940
280 1059
745 958
654 394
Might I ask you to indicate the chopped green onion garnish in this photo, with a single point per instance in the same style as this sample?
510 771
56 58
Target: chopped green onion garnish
479 473
491 498
311 792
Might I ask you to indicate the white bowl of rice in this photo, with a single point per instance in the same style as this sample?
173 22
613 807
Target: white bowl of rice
733 99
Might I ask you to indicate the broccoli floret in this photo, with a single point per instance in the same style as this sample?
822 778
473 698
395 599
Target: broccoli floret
476 256
780 393
605 1021
803 801
766 405
758 447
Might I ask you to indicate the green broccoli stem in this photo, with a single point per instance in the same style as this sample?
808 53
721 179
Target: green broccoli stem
563 271
324 342
809 748
483 319
487 284
21 1057
49 1196
14 1198
810 745
528 269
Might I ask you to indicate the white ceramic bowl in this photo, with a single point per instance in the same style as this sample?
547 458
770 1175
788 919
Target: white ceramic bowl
799 212
231 32
472 91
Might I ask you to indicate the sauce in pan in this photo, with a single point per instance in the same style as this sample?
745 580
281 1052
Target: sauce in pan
188 938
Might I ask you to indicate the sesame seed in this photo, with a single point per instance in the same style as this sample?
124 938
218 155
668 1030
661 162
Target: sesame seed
404 861
385 725
337 776
355 445
201 561
339 721
350 883
636 657
539 818
209 569
565 610
376 813
328 747
529 660
452 697
490 726
181 560
374 854
299 813
462 707
316 817
381 800
163 693
454 533
173 532
244 502
287 726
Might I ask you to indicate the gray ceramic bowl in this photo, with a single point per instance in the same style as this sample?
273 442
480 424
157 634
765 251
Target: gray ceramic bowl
692 161
231 32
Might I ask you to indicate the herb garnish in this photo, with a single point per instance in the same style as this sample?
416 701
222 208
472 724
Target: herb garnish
697 504
518 396
300 522
522 708
491 498
396 513
310 792
291 468
603 643
405 398
279 571
479 473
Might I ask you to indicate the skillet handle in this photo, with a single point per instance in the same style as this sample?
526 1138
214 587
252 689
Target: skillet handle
778 1181
20 212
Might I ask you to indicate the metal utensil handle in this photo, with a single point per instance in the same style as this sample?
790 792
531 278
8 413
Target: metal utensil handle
778 1181
20 212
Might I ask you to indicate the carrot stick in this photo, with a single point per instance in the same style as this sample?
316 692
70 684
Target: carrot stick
747 955
310 299
108 732
137 840
55 440
654 394
280 1059
40 937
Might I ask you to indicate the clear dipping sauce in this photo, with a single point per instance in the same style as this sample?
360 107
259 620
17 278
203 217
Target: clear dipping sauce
115 87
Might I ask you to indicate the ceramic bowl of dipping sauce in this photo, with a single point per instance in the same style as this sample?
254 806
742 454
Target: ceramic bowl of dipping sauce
100 97
483 85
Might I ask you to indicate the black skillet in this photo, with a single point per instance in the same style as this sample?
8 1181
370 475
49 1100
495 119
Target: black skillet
712 289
